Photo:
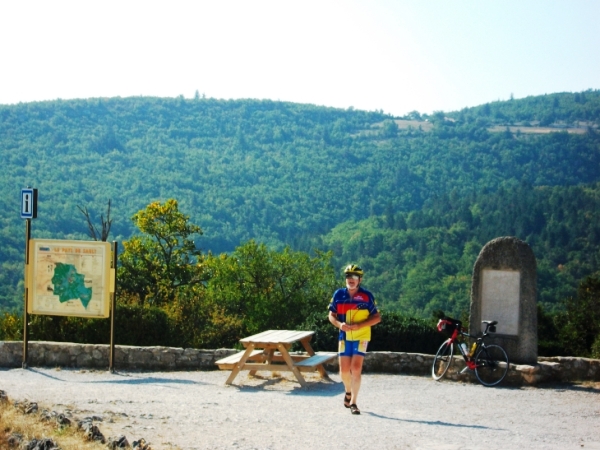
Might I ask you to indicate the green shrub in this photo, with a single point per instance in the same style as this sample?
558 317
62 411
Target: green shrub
11 327
395 333
580 324
596 348
134 325
192 321
325 338
398 333
69 329
549 343
144 326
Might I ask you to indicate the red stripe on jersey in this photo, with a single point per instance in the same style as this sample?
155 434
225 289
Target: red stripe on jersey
342 308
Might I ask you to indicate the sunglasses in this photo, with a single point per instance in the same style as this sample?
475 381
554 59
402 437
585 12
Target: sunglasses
354 277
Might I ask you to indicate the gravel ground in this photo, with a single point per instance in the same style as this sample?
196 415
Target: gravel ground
196 410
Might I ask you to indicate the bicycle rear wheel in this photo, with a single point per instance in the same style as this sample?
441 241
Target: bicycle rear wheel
442 360
491 365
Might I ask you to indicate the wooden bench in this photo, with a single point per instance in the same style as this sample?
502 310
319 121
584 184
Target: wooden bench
270 351
313 361
230 361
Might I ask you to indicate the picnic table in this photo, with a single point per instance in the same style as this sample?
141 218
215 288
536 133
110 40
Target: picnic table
270 350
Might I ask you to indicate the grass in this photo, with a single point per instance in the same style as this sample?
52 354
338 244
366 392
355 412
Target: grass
31 426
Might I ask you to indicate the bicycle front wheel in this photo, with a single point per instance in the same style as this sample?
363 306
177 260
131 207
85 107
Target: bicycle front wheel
442 360
491 365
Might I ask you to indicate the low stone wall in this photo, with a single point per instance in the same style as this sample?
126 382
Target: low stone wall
547 370
61 354
66 354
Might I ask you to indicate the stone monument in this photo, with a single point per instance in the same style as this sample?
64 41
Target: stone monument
504 289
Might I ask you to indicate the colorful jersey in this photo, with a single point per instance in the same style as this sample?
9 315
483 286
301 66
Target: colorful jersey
353 310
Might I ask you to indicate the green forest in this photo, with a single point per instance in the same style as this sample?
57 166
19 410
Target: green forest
411 199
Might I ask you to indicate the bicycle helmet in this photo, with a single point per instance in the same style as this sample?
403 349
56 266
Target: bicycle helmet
353 269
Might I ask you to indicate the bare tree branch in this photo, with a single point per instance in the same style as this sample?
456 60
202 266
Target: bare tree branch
105 224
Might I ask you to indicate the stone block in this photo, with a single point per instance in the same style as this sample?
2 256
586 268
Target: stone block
504 288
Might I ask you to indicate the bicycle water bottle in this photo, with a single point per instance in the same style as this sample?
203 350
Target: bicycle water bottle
463 349
473 349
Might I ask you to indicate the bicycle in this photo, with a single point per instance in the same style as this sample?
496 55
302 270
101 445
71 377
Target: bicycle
489 362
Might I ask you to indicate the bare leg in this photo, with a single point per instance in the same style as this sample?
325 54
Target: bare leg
345 374
351 374
356 364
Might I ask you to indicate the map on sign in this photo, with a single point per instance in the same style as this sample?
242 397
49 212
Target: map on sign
69 285
69 278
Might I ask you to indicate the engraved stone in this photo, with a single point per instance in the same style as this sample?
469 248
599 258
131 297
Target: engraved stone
504 289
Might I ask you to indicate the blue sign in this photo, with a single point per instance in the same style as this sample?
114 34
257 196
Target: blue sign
28 203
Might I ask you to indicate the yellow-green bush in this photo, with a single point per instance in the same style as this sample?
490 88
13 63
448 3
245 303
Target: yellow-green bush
11 327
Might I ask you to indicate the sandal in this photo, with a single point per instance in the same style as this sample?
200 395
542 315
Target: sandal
354 409
347 399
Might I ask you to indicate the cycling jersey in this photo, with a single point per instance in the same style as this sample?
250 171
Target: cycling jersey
353 310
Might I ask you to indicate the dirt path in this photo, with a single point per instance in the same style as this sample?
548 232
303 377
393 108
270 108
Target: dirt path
195 410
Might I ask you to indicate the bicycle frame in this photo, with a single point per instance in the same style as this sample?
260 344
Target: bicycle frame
489 362
455 341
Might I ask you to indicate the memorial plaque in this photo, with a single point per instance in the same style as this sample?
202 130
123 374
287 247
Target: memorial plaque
500 299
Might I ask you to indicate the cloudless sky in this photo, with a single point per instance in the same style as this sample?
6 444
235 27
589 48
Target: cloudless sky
392 55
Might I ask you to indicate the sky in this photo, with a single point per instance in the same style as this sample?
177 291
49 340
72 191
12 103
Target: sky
395 56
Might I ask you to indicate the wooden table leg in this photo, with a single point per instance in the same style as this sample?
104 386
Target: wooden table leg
267 357
269 353
290 362
240 365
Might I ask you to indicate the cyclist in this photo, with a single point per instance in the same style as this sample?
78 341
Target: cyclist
353 311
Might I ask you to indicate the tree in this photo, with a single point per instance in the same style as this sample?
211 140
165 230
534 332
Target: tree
270 289
414 115
104 223
155 265
582 319
389 129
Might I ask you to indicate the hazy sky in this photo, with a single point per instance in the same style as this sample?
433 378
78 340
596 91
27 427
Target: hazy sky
396 56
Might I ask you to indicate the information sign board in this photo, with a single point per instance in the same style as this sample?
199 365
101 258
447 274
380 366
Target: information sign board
69 278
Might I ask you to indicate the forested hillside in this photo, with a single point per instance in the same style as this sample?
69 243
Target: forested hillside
422 261
422 193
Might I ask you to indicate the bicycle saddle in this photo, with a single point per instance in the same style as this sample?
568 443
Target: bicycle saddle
490 322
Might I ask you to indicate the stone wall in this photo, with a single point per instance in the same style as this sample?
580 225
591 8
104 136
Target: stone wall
65 354
60 354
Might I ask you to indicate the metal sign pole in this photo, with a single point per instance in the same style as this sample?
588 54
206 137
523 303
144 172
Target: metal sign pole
25 315
29 200
113 307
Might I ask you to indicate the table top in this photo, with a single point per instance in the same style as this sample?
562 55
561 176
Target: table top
270 337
